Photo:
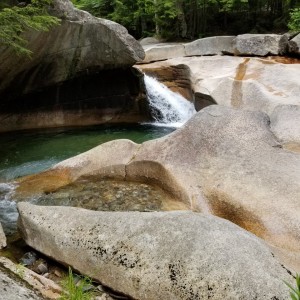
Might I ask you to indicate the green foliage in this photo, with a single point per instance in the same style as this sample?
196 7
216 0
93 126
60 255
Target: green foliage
295 291
98 8
20 270
75 291
173 19
294 23
15 20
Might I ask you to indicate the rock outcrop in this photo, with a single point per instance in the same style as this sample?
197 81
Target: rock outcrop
80 44
176 78
285 123
19 278
163 51
223 161
260 44
241 45
247 83
177 255
210 46
79 74
294 45
14 290
206 46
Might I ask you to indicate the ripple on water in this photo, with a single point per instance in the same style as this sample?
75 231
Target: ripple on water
110 195
94 194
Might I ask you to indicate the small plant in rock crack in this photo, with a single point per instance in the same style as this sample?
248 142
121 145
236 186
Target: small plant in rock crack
20 270
76 290
295 291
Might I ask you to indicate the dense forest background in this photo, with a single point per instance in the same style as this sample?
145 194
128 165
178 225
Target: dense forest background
165 19
192 19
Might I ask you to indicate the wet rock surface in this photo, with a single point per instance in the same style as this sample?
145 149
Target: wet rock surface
242 82
110 195
176 78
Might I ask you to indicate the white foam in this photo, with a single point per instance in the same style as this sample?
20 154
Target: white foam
167 108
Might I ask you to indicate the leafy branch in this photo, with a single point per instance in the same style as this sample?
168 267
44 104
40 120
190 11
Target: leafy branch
15 20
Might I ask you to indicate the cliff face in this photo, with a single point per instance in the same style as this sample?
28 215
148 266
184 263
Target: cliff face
83 64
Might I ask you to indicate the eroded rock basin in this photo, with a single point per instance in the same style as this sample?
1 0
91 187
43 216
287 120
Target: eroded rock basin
111 195
90 192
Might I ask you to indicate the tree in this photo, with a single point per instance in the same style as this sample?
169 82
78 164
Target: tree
15 20
294 23
177 19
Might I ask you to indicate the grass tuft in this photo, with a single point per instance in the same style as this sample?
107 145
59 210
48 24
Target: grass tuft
76 291
295 291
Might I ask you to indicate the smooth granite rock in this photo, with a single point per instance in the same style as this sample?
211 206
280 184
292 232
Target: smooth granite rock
240 82
210 46
159 255
223 161
260 44
285 123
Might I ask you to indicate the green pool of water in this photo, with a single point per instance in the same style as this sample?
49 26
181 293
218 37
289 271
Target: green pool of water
31 152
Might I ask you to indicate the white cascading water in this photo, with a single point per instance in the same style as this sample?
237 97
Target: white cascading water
167 108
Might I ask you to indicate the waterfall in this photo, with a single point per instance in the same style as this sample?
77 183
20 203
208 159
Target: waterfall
167 108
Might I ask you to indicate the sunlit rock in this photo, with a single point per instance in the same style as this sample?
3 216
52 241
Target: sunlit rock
210 46
159 255
223 161
285 123
260 44
240 82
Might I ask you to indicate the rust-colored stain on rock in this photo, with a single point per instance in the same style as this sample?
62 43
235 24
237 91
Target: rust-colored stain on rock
280 59
44 182
237 94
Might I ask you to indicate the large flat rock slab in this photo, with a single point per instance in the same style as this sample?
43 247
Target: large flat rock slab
174 255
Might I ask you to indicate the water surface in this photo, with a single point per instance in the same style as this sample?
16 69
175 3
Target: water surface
29 152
